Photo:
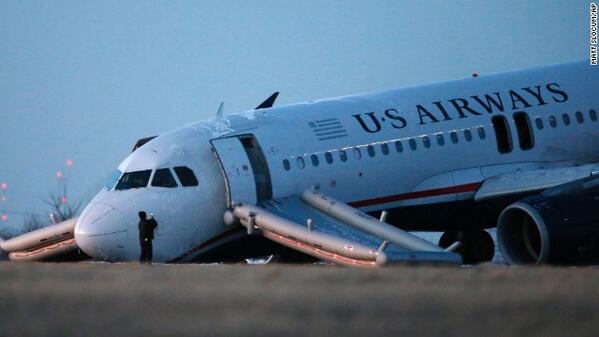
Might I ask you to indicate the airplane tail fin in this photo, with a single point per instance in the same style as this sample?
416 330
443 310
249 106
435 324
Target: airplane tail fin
268 103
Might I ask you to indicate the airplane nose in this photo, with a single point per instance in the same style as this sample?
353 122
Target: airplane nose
101 233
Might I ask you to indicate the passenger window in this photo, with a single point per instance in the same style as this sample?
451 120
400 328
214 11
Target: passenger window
566 119
579 117
187 178
593 115
136 179
342 155
300 162
357 153
468 135
552 121
328 157
412 143
385 149
525 134
426 141
370 150
286 165
502 133
314 159
539 123
454 137
440 139
398 146
164 178
481 132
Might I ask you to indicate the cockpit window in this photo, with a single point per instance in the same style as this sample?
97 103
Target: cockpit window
134 179
186 176
114 177
164 178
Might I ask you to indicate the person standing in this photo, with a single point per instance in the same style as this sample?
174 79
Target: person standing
146 235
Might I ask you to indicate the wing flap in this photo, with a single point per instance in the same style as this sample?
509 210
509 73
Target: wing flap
531 181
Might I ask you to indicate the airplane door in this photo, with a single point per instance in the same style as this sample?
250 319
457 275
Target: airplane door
237 170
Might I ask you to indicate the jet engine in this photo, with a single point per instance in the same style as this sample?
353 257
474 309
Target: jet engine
558 226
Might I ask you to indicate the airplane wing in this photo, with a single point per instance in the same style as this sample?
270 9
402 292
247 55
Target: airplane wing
531 181
328 229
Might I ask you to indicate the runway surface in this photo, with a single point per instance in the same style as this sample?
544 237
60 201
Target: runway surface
93 299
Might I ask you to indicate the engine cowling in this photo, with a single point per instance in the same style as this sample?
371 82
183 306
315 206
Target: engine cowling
558 226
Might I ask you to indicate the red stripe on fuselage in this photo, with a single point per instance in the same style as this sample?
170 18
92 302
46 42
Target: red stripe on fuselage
416 195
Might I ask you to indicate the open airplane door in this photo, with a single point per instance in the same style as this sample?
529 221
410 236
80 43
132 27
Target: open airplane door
245 169
237 170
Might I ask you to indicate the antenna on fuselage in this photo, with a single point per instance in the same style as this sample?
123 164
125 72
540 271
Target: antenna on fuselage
221 107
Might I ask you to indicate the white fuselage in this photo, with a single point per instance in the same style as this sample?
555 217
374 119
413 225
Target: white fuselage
412 146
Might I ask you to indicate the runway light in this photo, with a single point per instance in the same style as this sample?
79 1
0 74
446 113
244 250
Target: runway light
59 174
4 217
4 186
64 200
69 162
3 198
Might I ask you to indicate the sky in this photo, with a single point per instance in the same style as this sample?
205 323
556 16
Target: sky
83 80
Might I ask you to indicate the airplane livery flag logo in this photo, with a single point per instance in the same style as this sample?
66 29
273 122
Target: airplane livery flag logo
329 128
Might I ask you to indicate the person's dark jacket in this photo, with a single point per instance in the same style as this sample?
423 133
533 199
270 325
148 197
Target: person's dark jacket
146 229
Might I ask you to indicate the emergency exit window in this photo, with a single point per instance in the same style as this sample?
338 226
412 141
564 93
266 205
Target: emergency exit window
502 133
525 133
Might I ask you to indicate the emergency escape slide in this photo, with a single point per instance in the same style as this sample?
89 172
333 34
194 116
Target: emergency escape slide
45 243
336 232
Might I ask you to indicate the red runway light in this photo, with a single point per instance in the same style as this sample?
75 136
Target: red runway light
4 186
4 217
64 200
69 163
59 174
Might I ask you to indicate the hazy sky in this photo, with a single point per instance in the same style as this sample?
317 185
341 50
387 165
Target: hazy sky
84 80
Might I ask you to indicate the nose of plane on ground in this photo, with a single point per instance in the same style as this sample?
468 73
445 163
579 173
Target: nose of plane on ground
101 232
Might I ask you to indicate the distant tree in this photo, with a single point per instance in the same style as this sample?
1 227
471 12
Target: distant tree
32 222
62 208
6 234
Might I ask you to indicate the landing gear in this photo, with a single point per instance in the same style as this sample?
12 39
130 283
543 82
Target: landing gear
476 245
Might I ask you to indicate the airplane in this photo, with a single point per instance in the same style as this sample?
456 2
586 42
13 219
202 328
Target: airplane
3 254
346 179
